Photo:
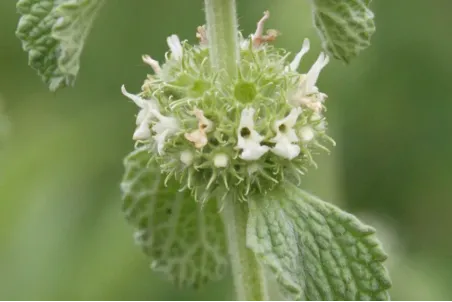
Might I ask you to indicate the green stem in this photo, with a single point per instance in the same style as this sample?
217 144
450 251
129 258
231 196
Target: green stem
249 277
222 34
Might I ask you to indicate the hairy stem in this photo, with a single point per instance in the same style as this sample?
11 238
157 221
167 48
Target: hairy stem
249 278
222 34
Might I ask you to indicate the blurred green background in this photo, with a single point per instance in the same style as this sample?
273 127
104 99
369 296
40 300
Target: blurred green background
62 233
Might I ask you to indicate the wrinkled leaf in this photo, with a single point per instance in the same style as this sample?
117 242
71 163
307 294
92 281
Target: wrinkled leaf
315 250
345 26
184 241
53 32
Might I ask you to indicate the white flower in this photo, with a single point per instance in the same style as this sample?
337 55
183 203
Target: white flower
165 126
306 134
186 157
308 85
145 115
151 62
248 138
199 136
220 160
175 46
308 94
286 136
142 132
296 61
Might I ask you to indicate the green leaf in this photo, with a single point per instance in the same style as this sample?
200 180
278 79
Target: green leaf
184 241
315 250
53 32
345 26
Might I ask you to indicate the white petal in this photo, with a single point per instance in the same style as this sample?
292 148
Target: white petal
296 61
285 138
164 127
246 119
289 122
142 132
161 127
252 139
291 136
143 115
250 145
166 121
291 119
175 46
160 140
140 102
286 150
220 160
253 152
314 72
306 134
186 157
242 143
151 62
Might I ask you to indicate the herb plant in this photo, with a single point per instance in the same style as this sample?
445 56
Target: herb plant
225 131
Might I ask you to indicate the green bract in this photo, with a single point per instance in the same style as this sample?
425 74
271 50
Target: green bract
218 134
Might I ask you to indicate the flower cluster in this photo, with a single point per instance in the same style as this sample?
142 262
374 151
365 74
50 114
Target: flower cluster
212 131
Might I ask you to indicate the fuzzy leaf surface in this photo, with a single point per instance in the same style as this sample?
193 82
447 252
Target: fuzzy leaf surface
53 33
315 250
184 241
345 26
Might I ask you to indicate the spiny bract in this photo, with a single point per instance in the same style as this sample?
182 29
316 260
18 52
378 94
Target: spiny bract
217 133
